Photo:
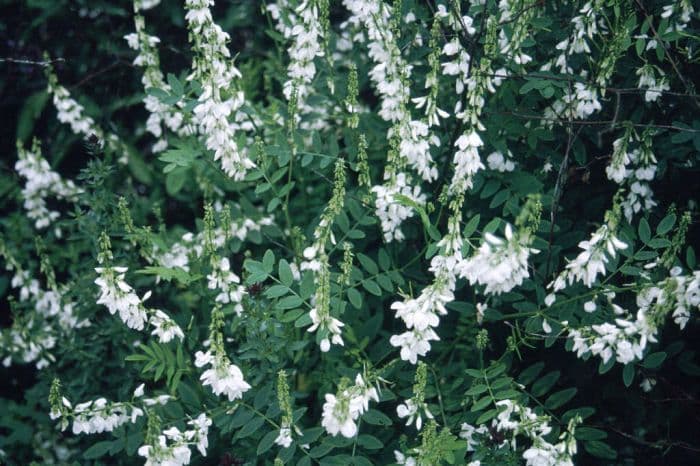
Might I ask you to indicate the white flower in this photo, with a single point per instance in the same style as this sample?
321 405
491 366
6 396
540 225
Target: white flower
337 419
499 264
139 391
119 297
413 412
165 328
400 457
414 343
224 377
496 161
284 439
391 214
468 431
540 456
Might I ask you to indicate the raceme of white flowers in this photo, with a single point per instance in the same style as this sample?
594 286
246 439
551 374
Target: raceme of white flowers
173 446
224 377
51 316
515 419
227 283
628 336
390 76
306 46
119 297
220 101
636 169
178 255
96 416
42 182
590 263
500 264
69 111
148 58
341 411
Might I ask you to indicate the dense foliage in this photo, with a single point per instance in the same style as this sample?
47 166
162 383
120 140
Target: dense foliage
350 232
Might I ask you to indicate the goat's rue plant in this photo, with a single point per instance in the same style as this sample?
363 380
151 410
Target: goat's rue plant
363 232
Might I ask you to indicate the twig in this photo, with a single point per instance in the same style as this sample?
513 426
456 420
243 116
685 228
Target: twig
22 61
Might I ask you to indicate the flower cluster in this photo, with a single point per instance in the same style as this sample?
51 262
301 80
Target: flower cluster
306 45
515 419
340 411
627 338
501 163
172 446
69 111
391 214
499 264
410 139
119 296
597 251
218 103
415 407
94 417
328 328
51 314
223 376
680 13
42 182
161 114
653 83
178 255
228 284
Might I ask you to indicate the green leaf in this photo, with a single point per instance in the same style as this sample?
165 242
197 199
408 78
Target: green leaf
31 110
188 395
543 385
370 442
175 180
666 224
471 226
182 156
321 450
600 449
487 416
249 428
530 373
285 272
275 291
289 302
481 404
558 399
303 321
384 260
654 360
476 390
368 264
589 433
376 418
266 442
98 450
291 316
372 287
175 85
306 288
490 188
644 230
628 374
268 261
256 270
355 298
